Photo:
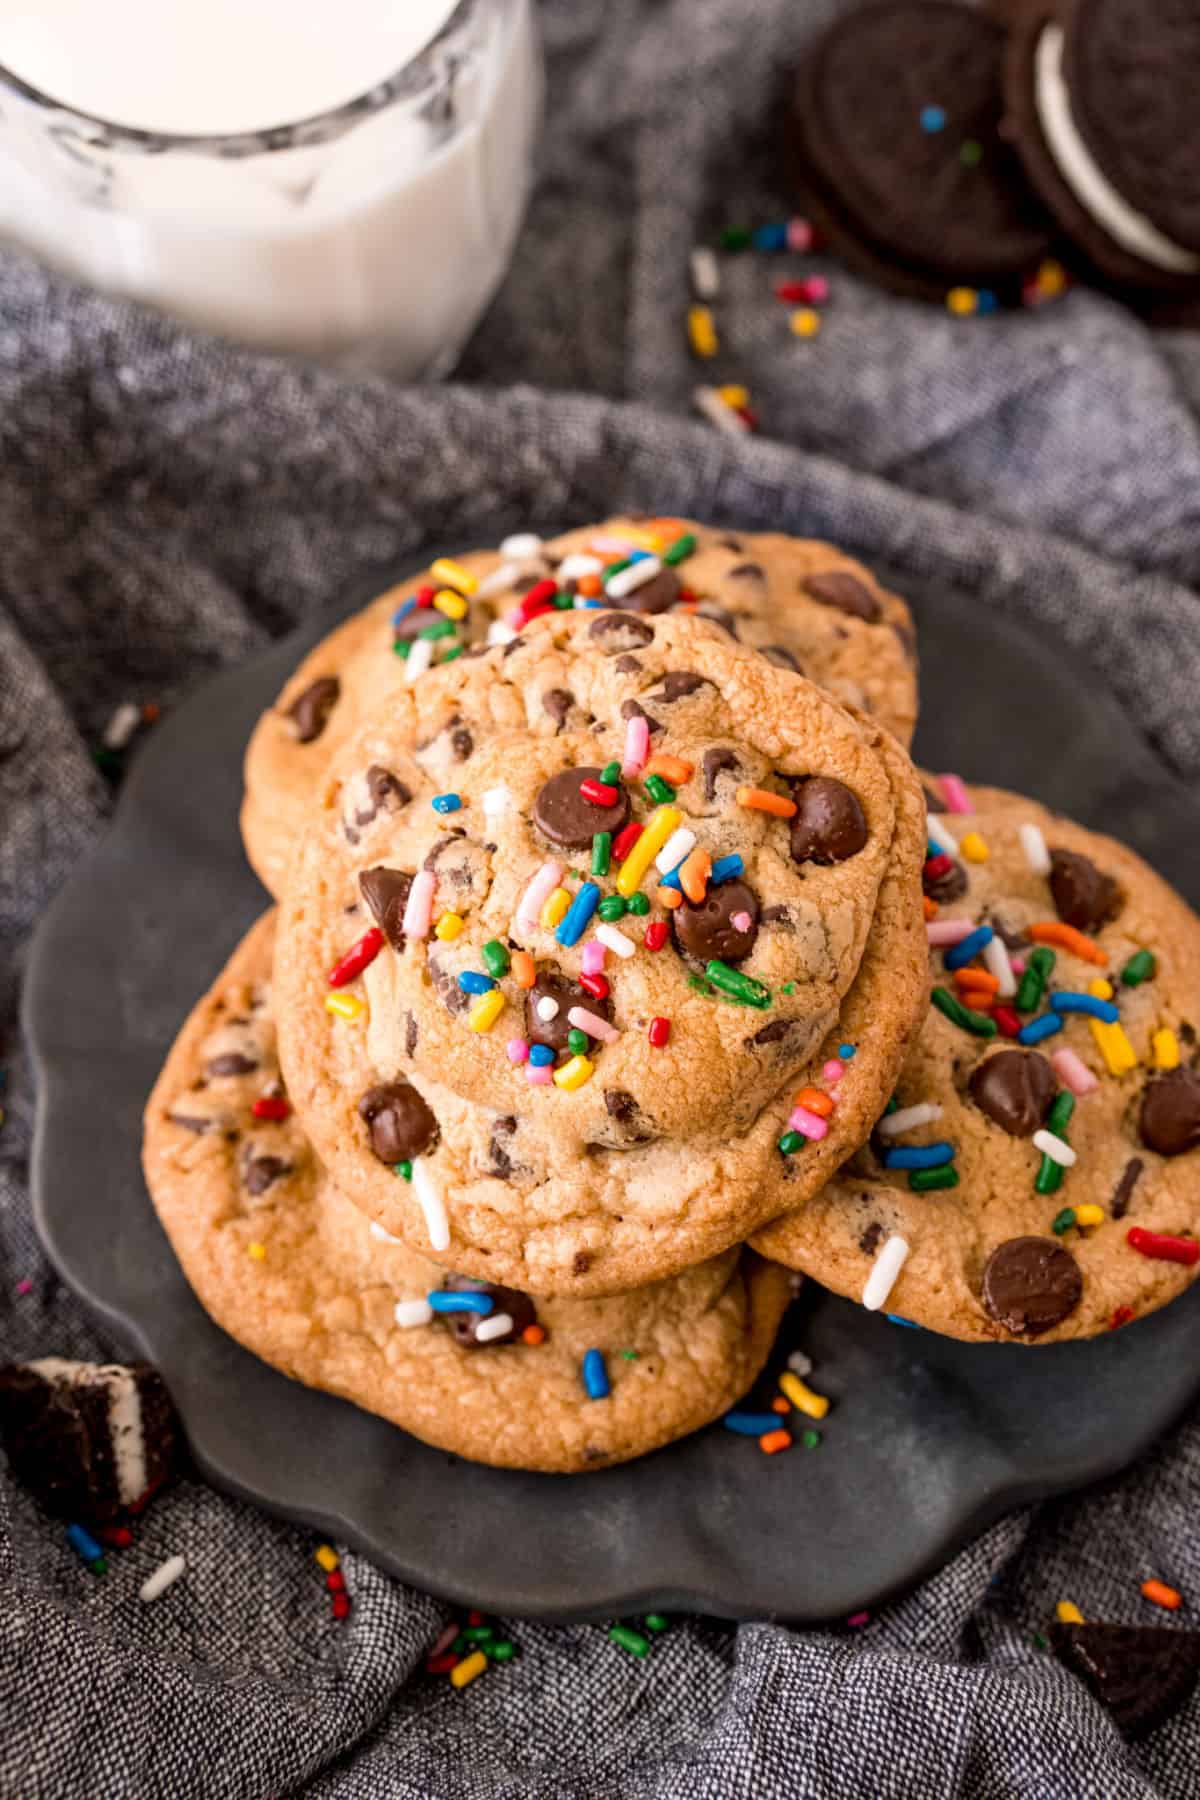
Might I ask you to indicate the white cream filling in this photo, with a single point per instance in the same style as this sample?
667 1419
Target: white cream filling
124 1418
1082 174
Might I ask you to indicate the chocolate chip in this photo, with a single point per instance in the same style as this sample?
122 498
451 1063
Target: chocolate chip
1011 936
712 763
1015 1088
581 1263
501 1161
775 1032
631 710
385 794
708 930
1030 1284
445 982
778 915
386 893
461 742
619 1105
410 1034
405 630
310 713
677 684
951 885
1083 895
781 657
1118 1206
748 571
552 984
199 1126
829 826
621 631
460 865
231 1063
562 815
261 1172
718 615
838 588
1170 1116
871 1238
505 1300
627 665
557 704
657 595
399 1123
729 543
1141 1673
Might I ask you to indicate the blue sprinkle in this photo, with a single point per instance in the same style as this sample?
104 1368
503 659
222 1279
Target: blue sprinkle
402 611
540 1055
1085 1003
959 955
986 301
933 118
1037 1029
846 1051
445 1301
591 606
639 556
595 1375
895 1319
918 1156
748 1424
472 982
770 237
726 868
447 803
83 1544
672 880
574 921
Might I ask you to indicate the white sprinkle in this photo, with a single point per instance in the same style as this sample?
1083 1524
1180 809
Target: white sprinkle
615 940
907 1118
579 564
706 273
625 581
1055 1149
882 1279
419 659
522 544
939 835
675 849
163 1577
706 400
996 960
494 1326
547 1008
1034 846
800 1364
500 633
432 1205
122 725
384 1237
408 1313
498 581
496 801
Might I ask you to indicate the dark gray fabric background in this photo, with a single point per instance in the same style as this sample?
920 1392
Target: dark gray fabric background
166 506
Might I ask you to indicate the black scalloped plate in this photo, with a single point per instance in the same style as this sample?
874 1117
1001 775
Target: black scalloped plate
928 1440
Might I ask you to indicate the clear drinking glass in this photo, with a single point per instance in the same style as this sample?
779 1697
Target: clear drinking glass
374 234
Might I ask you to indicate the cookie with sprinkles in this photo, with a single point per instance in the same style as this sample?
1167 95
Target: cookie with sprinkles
803 603
1036 1175
630 938
299 1276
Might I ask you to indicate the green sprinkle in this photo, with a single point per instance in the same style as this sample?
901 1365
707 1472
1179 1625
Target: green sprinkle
971 153
577 1041
742 988
656 1622
1038 968
610 773
563 600
1049 1177
790 1142
963 1016
611 908
601 852
99 1567
477 1634
403 1169
502 1650
629 1356
789 987
1063 1222
495 958
698 984
106 760
450 655
1059 1116
893 1105
1039 1642
676 552
439 629
628 1639
736 238
401 647
1140 967
810 1438
459 1645
658 789
638 904
921 1181
614 568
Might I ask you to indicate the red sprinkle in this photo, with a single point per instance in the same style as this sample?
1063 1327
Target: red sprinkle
442 1665
1164 1249
341 1605
475 1617
539 599
860 1618
655 935
1007 1020
1121 1316
425 596
625 840
595 985
598 793
811 292
119 1536
937 866
659 1032
271 1106
357 958
335 1581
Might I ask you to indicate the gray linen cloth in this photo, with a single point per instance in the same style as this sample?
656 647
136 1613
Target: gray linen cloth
167 505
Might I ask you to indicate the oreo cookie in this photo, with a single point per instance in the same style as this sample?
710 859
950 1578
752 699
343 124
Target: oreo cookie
1141 1673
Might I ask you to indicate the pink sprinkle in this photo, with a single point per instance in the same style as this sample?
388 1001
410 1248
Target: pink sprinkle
515 617
832 1071
816 290
859 1619
741 921
1017 964
948 931
536 894
637 746
25 1286
808 1124
955 794
445 1640
1075 1074
518 1050
593 1024
538 1074
418 911
799 235
611 546
594 954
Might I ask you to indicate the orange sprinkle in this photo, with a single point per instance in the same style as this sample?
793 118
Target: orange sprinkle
977 978
671 528
816 1101
931 907
759 800
1162 1595
590 586
772 1442
524 969
1053 931
693 876
534 1334
979 999
780 1405
671 768
669 897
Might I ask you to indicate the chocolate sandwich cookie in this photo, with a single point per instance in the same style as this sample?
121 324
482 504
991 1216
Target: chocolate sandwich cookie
92 1440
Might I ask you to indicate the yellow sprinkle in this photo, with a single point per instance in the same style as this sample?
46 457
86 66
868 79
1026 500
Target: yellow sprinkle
555 909
448 927
1164 1046
451 604
1114 1047
346 1006
962 300
734 395
454 575
327 1556
463 1673
702 333
257 1251
1100 989
486 1010
802 1397
1066 1612
1089 1214
1051 277
644 540
805 321
662 824
973 847
573 1074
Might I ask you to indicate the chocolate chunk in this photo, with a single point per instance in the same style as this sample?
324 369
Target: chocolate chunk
1030 1284
557 704
445 982
399 1123
618 631
627 665
657 595
712 763
779 916
261 1172
1118 1206
384 794
718 615
552 984
944 888
1170 1116
631 710
505 1300
781 657
199 1126
410 627
1015 1088
1011 936
231 1063
748 571
619 1105
677 684
729 543
838 588
386 893
871 1238
461 742
581 1262
501 1161
1141 1673
708 930
1083 895
310 713
829 826
775 1032
410 1034
562 815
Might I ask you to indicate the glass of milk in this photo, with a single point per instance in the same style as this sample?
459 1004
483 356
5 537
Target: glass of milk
342 178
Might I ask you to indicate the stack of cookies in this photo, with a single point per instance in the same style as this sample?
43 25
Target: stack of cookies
623 964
